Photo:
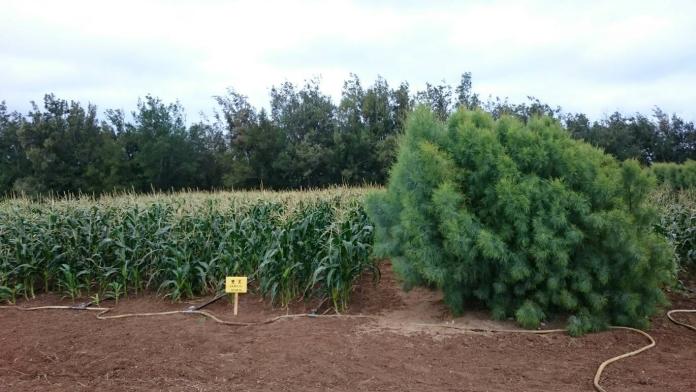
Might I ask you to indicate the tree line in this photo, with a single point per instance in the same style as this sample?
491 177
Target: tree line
304 140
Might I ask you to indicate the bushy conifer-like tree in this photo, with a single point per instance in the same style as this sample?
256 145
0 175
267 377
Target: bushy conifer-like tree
523 219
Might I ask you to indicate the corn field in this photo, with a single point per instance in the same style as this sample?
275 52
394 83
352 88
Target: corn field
182 245
678 223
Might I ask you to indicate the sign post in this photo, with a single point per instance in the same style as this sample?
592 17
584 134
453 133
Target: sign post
236 285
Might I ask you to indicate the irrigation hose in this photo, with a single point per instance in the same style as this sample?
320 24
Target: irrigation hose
671 312
598 374
492 330
604 364
103 311
601 367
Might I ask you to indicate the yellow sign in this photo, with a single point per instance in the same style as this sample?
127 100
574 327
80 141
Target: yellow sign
236 284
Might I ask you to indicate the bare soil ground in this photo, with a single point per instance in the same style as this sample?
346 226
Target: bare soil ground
65 350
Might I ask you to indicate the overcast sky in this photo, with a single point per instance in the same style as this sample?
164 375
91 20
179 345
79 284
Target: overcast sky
593 57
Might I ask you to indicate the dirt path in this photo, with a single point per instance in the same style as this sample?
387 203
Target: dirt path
70 350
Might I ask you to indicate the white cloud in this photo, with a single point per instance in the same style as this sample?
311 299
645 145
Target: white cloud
586 56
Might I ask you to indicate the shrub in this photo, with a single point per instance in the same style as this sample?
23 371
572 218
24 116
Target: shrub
523 219
675 175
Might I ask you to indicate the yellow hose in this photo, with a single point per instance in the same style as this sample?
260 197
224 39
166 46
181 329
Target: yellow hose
604 364
492 330
104 311
671 312
50 307
601 367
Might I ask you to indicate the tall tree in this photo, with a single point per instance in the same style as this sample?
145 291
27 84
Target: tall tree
382 123
304 141
402 104
158 144
66 148
13 161
307 118
465 95
351 141
438 98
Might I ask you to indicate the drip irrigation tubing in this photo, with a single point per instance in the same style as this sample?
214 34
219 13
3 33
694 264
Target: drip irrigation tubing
102 315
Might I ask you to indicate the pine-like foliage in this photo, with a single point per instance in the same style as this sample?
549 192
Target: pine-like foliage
523 219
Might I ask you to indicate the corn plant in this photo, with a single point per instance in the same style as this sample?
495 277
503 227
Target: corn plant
291 245
70 283
345 252
6 294
114 290
678 223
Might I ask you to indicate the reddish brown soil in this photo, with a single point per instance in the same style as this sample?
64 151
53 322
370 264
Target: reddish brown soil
61 350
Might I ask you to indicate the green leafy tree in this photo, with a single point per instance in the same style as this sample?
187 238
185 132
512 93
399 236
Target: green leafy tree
438 98
13 161
255 143
159 148
402 105
381 115
660 139
305 140
524 111
66 148
352 140
675 138
465 96
369 122
524 219
208 147
307 119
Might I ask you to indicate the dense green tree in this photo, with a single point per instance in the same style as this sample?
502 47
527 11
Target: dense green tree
524 219
305 140
238 119
625 138
237 114
638 137
207 147
384 111
13 161
676 138
524 111
121 167
370 121
402 104
160 155
465 95
253 154
438 98
66 148
369 124
307 117
352 139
